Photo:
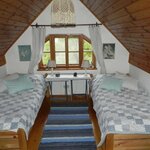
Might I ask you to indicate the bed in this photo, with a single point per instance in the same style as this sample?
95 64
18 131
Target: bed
123 116
18 112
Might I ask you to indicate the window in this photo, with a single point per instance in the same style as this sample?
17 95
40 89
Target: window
68 51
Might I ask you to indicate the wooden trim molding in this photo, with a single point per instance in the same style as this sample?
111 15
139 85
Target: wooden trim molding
2 60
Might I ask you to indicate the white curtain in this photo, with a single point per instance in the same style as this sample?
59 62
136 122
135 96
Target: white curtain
38 40
95 34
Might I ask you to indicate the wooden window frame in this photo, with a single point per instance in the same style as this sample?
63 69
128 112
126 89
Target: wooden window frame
81 38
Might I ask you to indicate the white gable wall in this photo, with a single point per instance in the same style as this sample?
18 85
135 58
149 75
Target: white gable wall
120 63
142 76
12 56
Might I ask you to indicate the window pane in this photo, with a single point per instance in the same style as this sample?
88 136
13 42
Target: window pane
73 58
60 58
73 44
87 46
87 56
47 47
45 58
59 44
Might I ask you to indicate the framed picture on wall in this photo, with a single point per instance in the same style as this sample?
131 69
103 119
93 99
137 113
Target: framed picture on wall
24 52
109 50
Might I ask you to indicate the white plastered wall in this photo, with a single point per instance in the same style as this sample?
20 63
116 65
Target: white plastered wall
120 63
142 76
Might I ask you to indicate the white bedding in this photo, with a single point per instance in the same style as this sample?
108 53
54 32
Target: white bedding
123 112
19 110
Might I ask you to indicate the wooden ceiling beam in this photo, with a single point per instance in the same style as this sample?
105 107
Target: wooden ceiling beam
138 6
135 39
104 6
133 35
109 10
12 3
29 3
13 21
96 4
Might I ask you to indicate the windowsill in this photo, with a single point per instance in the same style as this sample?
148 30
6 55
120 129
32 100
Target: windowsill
68 71
65 69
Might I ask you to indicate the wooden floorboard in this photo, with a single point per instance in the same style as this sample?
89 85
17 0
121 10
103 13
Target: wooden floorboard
37 130
94 121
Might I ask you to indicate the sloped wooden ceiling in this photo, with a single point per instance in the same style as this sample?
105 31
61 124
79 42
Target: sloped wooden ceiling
15 17
129 21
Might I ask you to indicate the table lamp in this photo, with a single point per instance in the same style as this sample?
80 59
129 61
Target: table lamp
51 64
85 65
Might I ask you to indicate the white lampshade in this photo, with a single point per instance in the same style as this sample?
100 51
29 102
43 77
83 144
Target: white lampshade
51 64
85 64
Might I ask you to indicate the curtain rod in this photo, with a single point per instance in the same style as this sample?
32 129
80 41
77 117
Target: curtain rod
64 25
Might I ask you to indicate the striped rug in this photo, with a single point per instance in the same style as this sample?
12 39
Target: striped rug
68 127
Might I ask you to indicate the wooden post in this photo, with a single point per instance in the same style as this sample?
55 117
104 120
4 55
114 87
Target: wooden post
22 139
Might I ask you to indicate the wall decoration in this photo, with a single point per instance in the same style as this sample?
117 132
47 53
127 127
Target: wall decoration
109 50
24 52
62 12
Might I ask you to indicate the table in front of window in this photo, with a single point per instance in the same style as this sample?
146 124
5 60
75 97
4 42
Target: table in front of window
68 78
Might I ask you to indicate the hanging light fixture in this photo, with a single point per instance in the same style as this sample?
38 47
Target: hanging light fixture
62 13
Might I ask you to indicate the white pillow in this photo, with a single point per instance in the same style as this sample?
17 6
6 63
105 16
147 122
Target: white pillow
130 83
11 76
3 87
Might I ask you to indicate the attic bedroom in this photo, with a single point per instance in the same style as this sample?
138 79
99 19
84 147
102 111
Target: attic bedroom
74 75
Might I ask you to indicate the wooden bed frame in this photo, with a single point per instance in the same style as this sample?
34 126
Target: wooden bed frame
126 142
10 140
13 140
118 141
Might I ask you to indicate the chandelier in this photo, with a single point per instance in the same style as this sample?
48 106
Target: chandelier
62 12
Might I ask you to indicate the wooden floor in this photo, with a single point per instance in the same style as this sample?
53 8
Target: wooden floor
94 121
36 132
